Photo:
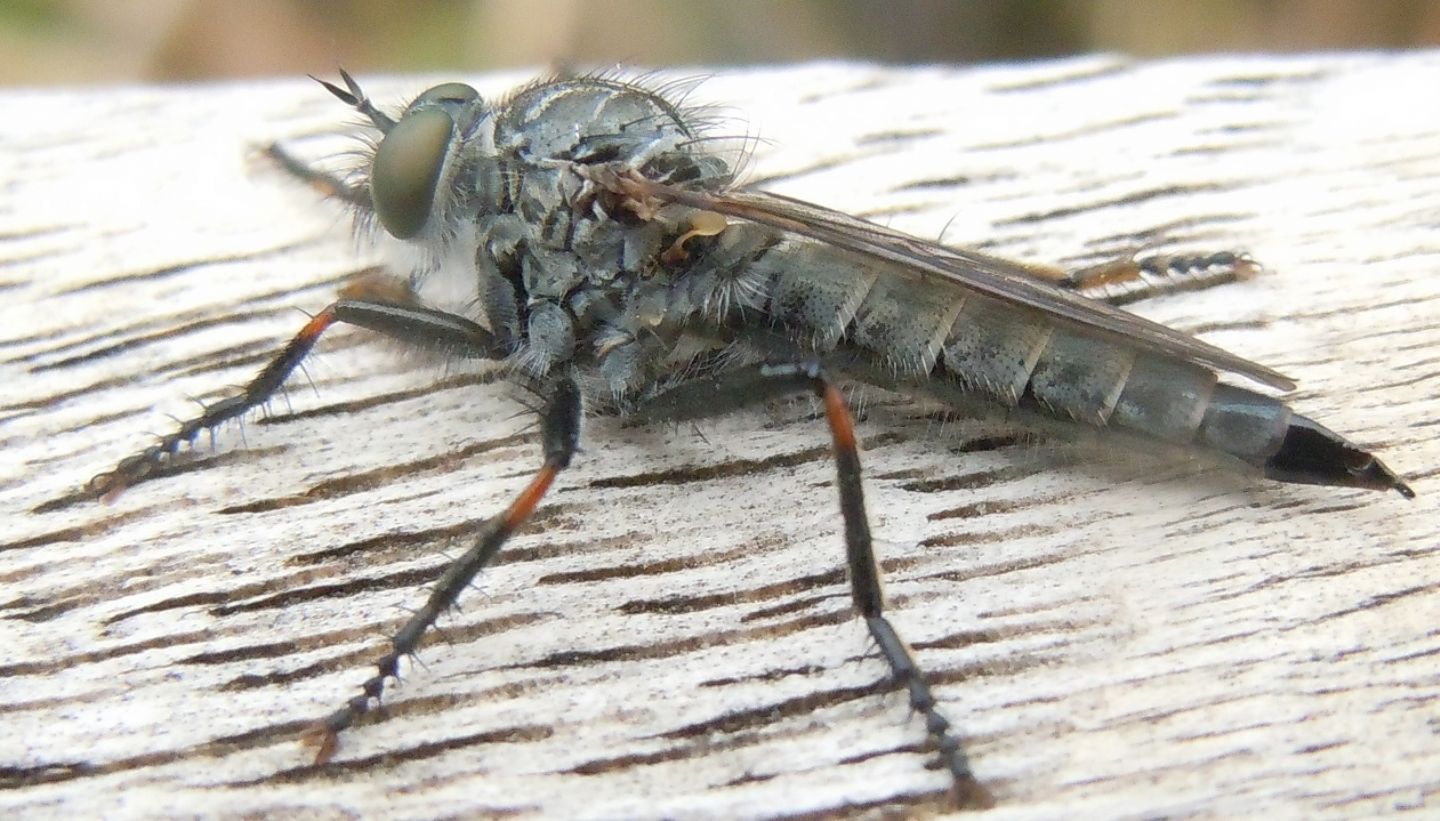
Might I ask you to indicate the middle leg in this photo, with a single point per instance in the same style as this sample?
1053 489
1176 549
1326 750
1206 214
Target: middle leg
768 381
560 434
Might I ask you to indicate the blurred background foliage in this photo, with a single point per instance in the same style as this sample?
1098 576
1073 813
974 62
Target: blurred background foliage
48 42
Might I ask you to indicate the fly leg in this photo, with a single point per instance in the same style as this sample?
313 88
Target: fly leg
1132 279
417 326
865 572
329 185
560 433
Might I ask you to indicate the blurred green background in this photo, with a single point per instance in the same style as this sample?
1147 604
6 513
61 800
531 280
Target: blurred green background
47 42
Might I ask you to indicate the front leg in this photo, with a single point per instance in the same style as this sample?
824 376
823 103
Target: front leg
416 326
328 184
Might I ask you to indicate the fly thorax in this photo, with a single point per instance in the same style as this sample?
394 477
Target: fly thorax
590 120
548 134
559 272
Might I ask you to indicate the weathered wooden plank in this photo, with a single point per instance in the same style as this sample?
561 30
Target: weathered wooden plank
672 636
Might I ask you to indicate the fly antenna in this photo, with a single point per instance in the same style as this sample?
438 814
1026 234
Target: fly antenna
354 97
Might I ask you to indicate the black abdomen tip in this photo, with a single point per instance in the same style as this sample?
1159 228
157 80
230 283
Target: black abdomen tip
1312 454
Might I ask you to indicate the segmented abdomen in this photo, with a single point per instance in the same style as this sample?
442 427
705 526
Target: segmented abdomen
919 330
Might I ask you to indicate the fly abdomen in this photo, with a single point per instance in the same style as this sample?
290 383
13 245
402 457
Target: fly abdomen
1247 425
993 349
1021 360
914 332
1165 399
1015 357
821 309
826 299
1080 377
904 324
1093 380
1312 454
1290 447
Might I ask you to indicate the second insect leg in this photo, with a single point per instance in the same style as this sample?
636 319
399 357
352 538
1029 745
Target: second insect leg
864 571
560 433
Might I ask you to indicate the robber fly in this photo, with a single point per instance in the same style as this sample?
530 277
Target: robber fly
611 264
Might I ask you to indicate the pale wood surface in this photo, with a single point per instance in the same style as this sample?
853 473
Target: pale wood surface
671 637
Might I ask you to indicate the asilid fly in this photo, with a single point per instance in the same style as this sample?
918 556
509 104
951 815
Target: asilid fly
612 266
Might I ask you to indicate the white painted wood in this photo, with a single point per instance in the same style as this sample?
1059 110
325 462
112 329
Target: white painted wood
1114 641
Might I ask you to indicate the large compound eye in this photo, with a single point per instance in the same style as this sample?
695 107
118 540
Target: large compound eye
453 93
407 169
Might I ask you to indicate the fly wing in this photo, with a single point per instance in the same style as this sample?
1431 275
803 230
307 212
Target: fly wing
1001 279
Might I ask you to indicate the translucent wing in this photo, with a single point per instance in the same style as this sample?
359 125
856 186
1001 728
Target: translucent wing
995 277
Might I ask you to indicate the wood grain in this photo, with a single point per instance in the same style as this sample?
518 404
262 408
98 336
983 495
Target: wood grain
672 635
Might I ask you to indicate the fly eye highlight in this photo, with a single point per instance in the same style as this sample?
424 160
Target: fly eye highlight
458 94
406 170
